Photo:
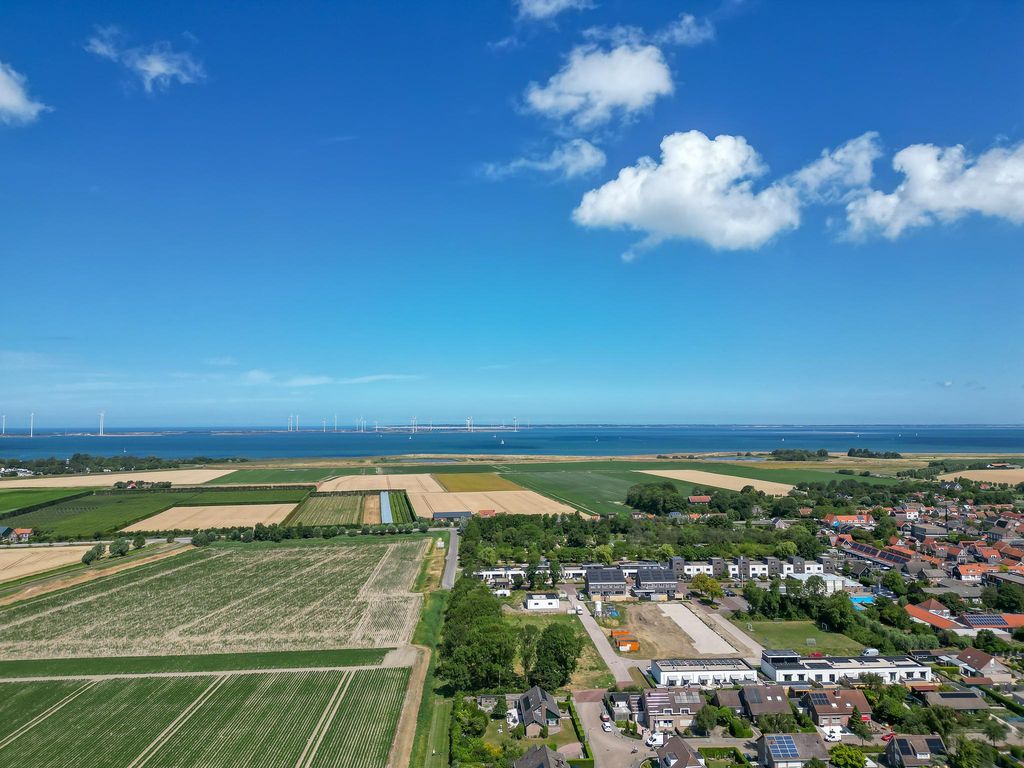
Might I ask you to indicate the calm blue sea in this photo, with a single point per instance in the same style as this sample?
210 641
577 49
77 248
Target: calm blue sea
536 440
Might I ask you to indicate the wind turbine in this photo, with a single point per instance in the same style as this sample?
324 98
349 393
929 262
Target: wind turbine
102 414
4 427
32 424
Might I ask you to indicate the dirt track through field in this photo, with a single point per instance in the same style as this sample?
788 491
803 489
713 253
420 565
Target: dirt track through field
107 479
729 482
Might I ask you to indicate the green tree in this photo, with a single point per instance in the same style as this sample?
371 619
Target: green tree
815 763
994 730
857 726
846 756
967 754
558 654
119 547
139 541
707 719
707 586
528 636
603 554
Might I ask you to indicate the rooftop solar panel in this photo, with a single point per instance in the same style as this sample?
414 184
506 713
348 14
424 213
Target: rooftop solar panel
819 699
782 747
753 696
985 620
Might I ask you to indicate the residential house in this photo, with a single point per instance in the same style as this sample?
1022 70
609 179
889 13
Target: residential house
5 532
676 753
760 700
960 701
655 584
541 757
21 535
914 751
790 750
542 601
607 584
786 666
831 709
702 672
699 499
537 708
670 709
975 663
730 698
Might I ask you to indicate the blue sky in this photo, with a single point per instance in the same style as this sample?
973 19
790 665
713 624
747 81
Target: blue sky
223 215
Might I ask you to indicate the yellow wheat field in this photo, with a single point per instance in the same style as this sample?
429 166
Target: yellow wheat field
715 480
17 562
217 516
107 479
511 502
414 483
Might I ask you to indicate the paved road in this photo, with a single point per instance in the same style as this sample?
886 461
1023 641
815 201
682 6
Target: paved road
611 750
618 666
452 561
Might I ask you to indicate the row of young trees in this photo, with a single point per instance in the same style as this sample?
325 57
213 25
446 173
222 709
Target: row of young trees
117 548
483 651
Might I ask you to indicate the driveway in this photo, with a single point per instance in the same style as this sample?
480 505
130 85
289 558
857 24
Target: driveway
452 562
618 666
611 750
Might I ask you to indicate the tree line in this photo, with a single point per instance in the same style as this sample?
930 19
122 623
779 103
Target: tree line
80 463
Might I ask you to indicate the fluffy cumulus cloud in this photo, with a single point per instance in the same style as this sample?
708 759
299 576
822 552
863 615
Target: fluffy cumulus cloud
702 189
548 9
943 184
840 172
577 157
157 66
16 106
597 83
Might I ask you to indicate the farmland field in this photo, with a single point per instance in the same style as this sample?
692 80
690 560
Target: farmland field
228 598
476 481
16 563
15 499
717 480
311 719
601 492
521 502
401 512
216 516
420 483
329 510
107 479
274 476
111 511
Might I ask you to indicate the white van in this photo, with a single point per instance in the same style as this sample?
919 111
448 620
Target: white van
656 739
869 652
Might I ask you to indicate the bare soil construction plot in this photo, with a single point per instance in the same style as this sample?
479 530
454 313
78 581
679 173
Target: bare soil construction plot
659 636
729 482
107 479
511 502
229 598
15 563
706 640
217 516
1012 476
413 483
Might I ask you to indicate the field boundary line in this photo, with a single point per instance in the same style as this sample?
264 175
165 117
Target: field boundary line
45 714
316 738
167 733
385 664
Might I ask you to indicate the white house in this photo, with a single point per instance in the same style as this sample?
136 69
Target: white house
789 667
705 673
542 601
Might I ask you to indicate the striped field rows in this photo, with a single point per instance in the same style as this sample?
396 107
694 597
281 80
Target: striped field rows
304 719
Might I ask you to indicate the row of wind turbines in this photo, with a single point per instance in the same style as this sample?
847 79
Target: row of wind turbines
361 424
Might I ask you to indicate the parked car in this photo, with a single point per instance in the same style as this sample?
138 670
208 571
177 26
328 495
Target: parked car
607 727
605 717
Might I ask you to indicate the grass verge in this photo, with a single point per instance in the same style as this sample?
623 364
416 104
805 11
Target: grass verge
428 635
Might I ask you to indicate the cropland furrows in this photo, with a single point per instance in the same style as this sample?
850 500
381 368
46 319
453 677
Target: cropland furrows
106 512
322 718
329 510
228 599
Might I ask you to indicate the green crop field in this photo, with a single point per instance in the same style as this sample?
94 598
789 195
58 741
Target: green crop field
228 598
110 511
601 492
276 476
328 510
401 513
312 719
476 481
18 499
794 635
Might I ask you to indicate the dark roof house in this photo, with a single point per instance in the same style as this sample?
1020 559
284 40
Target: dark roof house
913 751
538 707
791 750
541 757
764 700
676 753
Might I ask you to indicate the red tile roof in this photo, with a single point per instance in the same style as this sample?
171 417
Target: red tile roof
916 612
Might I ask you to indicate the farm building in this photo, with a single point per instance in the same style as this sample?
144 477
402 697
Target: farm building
452 516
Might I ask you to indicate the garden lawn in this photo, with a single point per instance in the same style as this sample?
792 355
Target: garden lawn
794 635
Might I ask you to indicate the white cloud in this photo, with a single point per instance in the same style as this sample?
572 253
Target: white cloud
257 376
686 30
837 171
157 65
596 84
574 158
16 106
307 381
548 9
701 190
942 185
